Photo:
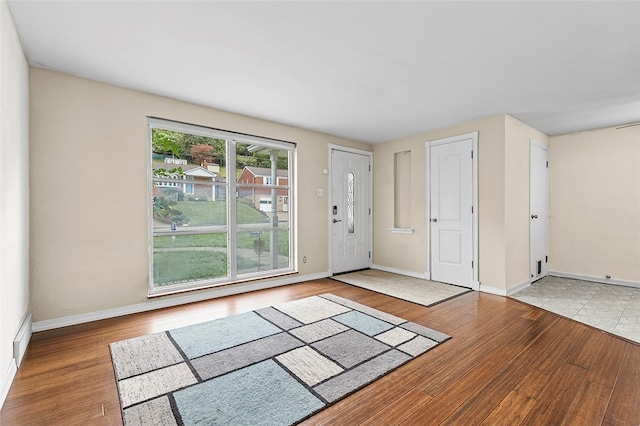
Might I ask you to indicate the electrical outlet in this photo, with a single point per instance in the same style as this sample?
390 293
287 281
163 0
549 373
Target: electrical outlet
304 259
320 192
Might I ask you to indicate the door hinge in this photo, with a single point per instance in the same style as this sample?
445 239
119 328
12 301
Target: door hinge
546 259
471 209
471 154
369 167
547 164
369 210
472 264
369 255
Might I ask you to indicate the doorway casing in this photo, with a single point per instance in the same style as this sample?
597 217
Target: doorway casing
538 210
332 201
472 140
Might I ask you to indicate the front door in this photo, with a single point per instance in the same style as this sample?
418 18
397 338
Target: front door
350 216
538 210
451 211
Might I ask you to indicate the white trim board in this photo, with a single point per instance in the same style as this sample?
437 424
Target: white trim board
517 288
408 231
493 290
595 279
158 303
504 292
7 380
22 339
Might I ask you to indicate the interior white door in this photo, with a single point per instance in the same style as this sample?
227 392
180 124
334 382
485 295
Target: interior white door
451 214
538 210
350 211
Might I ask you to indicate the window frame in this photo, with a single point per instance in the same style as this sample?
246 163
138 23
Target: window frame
231 228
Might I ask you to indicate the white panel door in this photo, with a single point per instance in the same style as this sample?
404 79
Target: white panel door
451 215
538 210
350 211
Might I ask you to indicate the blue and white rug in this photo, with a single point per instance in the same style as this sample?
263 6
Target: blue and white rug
273 366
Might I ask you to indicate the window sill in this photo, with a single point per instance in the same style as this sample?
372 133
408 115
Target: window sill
209 285
407 231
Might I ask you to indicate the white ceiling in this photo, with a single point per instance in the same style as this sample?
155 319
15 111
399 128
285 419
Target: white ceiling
370 71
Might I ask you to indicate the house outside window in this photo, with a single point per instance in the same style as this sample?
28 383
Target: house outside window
199 237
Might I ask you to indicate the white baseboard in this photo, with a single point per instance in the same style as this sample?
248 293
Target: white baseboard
159 302
518 287
594 279
505 292
399 271
493 290
7 380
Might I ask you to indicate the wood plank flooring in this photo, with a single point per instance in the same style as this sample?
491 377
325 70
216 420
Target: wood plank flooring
508 363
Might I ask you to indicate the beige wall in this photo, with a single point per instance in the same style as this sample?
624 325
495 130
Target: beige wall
408 252
594 223
14 190
89 247
517 220
503 201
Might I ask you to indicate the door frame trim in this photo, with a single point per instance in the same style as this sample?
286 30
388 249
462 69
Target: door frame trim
334 147
545 148
474 219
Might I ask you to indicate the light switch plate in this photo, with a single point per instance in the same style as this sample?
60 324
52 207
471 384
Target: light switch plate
320 192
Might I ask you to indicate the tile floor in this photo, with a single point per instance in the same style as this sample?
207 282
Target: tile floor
612 308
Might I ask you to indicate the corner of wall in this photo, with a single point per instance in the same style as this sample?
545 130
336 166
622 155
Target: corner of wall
14 163
594 203
7 380
518 136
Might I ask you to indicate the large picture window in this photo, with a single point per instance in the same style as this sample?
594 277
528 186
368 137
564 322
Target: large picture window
220 207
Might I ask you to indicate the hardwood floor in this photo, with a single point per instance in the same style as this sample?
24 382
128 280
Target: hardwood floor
508 363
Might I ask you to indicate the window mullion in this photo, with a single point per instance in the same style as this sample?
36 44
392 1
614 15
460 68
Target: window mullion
291 198
232 260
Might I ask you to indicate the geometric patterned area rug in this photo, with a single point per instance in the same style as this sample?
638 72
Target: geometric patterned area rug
272 366
423 292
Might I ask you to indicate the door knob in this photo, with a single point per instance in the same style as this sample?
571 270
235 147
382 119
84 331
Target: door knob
434 220
336 220
534 216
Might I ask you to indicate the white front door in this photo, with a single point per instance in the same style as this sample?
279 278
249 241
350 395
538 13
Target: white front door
538 210
350 216
451 218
